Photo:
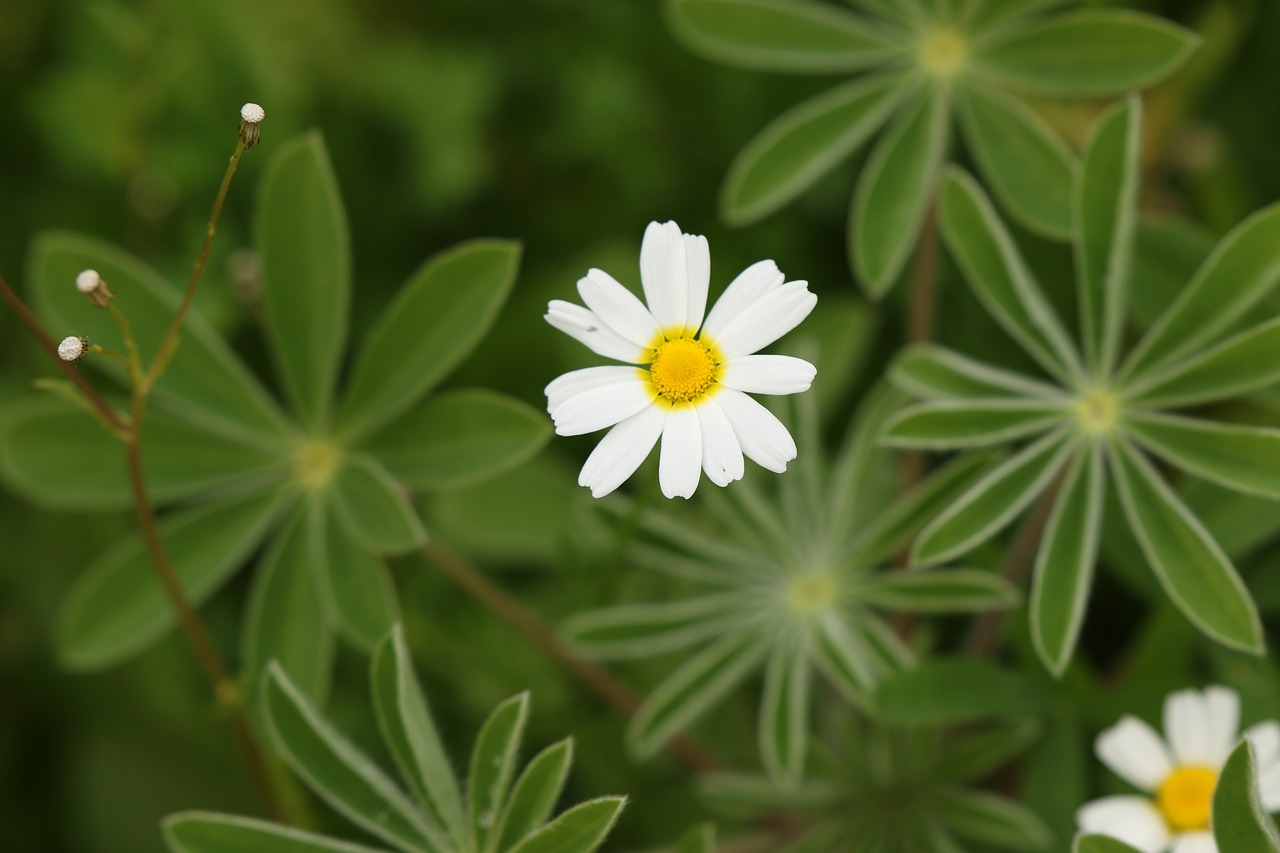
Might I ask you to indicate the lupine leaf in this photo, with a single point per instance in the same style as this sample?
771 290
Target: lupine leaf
435 321
784 712
493 763
304 244
700 839
937 591
640 630
1242 363
936 373
948 424
1101 844
533 797
974 755
1243 458
804 143
844 659
1240 824
206 832
581 829
357 588
987 818
947 691
372 507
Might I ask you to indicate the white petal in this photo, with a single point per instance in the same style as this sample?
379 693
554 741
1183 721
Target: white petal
584 326
1223 707
750 285
575 382
1265 738
697 256
1133 750
665 274
721 452
1133 820
767 319
621 309
680 462
621 451
762 436
1195 842
768 374
1186 725
597 408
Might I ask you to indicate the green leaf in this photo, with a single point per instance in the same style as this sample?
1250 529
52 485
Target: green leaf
118 607
493 763
1194 572
1087 53
937 591
303 240
804 143
435 321
579 830
699 839
533 798
950 691
999 277
1101 844
1243 269
458 439
784 712
410 734
844 659
1066 561
358 589
373 508
1027 165
338 772
994 501
206 832
949 424
286 619
1240 824
642 630
987 17
987 818
1105 205
895 189
780 35
1243 458
1242 363
936 373
56 456
692 689
204 384
975 755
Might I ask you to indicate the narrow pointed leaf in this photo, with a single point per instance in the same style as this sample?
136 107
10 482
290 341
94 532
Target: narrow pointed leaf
936 373
689 691
1101 844
1242 363
803 144
780 35
987 818
988 16
117 608
1027 165
998 275
784 713
993 502
1243 458
1088 53
459 439
579 830
533 797
951 691
641 630
373 508
1066 560
896 188
975 755
304 244
1243 270
1105 205
1240 823
358 589
435 321
286 619
206 832
844 659
700 839
336 771
937 591
949 424
1197 576
493 763
204 384
410 735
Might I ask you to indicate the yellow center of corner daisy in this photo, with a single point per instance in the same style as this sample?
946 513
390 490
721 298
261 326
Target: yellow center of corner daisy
943 52
683 369
1186 798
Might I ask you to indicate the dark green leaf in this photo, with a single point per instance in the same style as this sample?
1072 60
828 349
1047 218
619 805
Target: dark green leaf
937 591
974 755
987 818
700 839
1243 458
358 589
373 508
948 691
1242 363
579 830
1102 844
206 832
493 763
533 797
1240 824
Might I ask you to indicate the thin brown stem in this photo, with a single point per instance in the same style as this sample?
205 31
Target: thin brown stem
91 394
600 680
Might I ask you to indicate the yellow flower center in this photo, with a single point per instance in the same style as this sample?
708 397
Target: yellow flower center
810 592
1186 798
683 369
1098 411
316 463
943 52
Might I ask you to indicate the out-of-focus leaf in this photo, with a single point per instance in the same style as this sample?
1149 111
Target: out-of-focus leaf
358 589
1055 773
304 244
937 591
844 659
581 829
987 818
1240 824
641 630
533 797
700 839
1101 844
1243 458
435 322
948 424
974 755
936 373
1242 363
206 832
371 506
117 608
493 763
784 712
947 691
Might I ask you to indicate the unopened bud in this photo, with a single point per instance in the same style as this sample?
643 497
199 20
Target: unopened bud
92 285
251 115
72 348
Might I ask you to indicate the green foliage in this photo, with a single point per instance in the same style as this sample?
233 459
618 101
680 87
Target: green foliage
1239 821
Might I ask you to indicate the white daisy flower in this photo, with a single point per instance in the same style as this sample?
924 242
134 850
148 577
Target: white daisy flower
686 378
1180 774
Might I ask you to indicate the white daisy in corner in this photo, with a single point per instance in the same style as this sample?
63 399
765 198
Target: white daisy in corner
686 378
1180 776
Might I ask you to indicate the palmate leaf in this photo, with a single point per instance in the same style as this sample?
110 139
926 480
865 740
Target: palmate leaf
1246 459
373 508
1239 821
357 588
1242 363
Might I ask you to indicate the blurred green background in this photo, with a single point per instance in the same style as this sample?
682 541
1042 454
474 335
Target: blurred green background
568 124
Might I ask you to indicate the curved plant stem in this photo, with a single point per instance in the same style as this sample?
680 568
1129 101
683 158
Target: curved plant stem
603 682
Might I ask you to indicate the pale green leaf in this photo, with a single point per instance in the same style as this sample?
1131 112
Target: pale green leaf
206 832
358 589
784 712
579 830
1243 458
1242 363
936 373
493 763
533 797
936 591
844 658
373 508
1240 823
641 630
949 424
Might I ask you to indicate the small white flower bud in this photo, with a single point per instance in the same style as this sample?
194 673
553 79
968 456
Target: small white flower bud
251 115
72 348
92 285
87 281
